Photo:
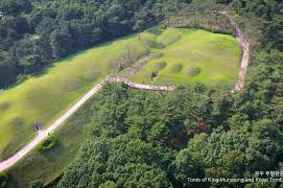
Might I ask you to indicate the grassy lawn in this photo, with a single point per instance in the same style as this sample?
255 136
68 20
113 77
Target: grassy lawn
189 56
47 166
43 98
179 56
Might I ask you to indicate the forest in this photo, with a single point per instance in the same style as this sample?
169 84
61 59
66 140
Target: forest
141 139
156 139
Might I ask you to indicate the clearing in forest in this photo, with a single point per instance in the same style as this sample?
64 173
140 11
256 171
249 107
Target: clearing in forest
41 99
177 56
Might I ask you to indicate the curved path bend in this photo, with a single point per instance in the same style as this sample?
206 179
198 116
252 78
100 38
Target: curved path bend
43 134
245 59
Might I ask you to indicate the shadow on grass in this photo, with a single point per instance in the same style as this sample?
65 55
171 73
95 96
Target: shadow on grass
53 152
44 69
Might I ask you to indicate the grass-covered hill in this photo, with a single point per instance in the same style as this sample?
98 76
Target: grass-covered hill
213 59
132 138
188 56
41 99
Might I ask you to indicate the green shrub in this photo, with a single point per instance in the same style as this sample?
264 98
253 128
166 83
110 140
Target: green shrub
153 75
48 144
176 68
194 71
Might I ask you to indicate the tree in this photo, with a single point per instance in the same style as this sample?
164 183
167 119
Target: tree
61 42
7 74
3 180
186 167
123 161
15 7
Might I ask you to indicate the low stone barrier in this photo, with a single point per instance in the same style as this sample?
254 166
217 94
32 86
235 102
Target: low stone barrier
119 79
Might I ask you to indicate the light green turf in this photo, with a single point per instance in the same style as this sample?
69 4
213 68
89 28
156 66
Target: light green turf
45 97
47 166
217 56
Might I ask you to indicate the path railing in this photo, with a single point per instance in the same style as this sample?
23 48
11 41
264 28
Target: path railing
134 85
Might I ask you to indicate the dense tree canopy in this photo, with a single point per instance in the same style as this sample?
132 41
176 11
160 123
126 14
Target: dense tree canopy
141 139
199 132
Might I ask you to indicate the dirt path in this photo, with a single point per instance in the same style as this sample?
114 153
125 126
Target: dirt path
245 60
43 134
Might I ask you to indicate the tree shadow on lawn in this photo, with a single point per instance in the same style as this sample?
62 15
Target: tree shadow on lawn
22 133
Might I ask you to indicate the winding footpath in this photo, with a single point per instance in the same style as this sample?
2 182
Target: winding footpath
245 47
43 134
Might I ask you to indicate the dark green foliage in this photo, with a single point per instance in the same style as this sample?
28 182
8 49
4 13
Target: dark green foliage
7 74
186 166
36 184
153 75
15 7
123 161
271 15
48 144
203 14
3 180
143 139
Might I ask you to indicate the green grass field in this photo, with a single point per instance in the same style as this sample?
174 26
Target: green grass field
178 56
189 56
43 98
47 166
